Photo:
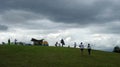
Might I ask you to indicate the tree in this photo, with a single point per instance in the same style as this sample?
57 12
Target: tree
116 49
62 42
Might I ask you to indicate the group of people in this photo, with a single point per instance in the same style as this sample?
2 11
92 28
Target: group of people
9 41
82 48
61 43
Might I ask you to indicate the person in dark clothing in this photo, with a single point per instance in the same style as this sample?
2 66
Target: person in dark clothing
89 49
3 43
15 41
8 41
62 42
75 44
56 44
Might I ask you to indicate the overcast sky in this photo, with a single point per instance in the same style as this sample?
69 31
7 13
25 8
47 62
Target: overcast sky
88 21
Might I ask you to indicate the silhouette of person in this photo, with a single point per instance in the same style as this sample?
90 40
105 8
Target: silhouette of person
8 41
62 42
59 44
56 44
3 43
89 49
68 46
81 47
75 44
15 41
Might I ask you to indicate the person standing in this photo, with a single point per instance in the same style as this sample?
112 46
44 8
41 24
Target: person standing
59 44
68 46
81 47
15 41
56 44
8 41
75 44
89 49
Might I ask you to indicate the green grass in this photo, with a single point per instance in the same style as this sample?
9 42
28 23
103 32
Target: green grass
37 56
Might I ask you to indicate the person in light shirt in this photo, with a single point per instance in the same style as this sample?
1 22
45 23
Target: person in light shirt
81 47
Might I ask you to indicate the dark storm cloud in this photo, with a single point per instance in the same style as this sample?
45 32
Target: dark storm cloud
72 13
18 16
69 11
3 28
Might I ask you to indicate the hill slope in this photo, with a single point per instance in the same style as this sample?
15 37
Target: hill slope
37 56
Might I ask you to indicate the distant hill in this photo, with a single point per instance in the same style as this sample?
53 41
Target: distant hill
38 56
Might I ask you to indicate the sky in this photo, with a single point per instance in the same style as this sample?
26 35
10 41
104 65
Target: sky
89 21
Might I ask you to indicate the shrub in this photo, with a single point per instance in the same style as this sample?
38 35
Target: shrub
116 49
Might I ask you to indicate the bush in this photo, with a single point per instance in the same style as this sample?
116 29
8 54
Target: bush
116 49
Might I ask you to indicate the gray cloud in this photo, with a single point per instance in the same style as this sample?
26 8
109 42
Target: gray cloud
74 11
106 28
72 14
3 28
18 16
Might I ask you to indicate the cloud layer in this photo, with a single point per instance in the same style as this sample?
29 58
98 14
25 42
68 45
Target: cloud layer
39 17
65 10
3 28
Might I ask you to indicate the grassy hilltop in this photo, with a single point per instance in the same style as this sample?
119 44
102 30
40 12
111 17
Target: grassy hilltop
37 56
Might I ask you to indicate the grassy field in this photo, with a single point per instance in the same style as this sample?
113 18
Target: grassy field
37 56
